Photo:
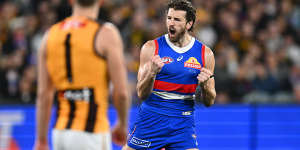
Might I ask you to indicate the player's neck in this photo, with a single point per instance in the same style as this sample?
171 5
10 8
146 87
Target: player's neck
89 12
184 40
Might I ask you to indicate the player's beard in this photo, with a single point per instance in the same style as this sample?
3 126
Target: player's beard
175 34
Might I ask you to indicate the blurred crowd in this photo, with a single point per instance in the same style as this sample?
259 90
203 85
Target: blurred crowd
256 44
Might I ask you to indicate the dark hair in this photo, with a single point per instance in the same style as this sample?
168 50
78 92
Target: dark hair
185 6
86 3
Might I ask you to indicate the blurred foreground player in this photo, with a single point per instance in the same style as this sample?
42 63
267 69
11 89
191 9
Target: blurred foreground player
77 59
171 67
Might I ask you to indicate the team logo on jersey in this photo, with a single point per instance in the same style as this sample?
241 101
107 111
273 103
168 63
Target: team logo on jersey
167 60
74 24
86 94
140 142
179 58
192 62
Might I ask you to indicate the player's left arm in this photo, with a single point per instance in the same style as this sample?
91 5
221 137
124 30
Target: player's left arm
45 96
206 79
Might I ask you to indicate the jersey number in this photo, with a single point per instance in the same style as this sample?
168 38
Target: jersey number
68 58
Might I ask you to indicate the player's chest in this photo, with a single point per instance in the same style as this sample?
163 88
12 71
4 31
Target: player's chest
187 64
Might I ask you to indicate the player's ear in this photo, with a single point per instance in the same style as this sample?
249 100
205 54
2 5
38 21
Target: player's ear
189 25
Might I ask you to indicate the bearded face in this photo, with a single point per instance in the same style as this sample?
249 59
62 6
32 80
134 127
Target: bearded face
176 24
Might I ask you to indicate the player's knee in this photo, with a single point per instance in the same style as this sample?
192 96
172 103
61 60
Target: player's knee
126 147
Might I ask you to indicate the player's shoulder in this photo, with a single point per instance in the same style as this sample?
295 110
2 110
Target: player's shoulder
55 26
153 43
149 44
108 33
148 48
108 28
207 49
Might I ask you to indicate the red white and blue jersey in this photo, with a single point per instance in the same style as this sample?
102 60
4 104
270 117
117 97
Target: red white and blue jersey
175 85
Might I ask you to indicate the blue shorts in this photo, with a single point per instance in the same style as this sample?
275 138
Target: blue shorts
153 131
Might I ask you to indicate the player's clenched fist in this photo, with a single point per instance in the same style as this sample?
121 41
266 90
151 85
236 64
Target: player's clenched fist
204 75
156 64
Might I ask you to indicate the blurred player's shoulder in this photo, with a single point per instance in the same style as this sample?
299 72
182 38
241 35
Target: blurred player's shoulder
108 33
108 28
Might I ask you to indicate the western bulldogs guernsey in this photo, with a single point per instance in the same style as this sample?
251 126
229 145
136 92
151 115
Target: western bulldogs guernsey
176 83
166 118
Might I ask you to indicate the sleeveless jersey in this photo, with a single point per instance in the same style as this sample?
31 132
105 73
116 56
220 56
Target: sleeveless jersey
175 85
79 75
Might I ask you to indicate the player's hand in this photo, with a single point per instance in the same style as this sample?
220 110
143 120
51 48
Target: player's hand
156 64
204 76
119 134
39 145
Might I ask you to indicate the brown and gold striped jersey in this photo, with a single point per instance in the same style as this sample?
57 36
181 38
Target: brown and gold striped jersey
79 74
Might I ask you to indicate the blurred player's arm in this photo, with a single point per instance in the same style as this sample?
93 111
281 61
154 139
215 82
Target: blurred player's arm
110 42
45 96
206 79
150 65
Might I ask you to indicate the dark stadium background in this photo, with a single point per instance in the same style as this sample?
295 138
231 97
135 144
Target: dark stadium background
257 50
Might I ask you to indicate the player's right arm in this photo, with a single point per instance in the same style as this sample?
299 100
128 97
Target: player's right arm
109 44
45 96
150 65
